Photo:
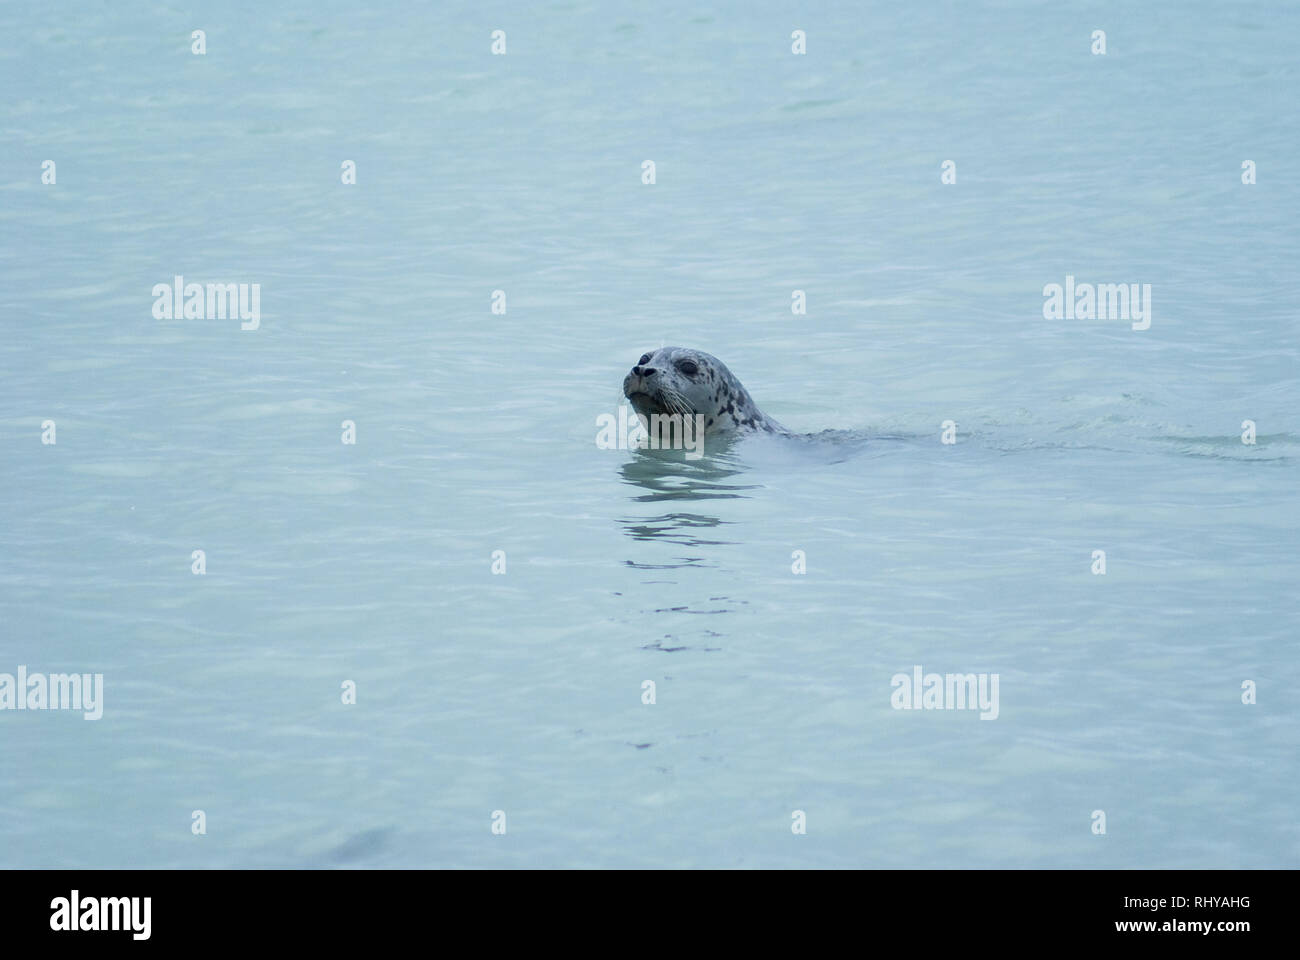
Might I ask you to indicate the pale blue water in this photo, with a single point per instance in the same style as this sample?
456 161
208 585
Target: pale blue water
475 433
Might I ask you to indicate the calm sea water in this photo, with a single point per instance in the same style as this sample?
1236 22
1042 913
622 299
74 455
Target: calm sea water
522 692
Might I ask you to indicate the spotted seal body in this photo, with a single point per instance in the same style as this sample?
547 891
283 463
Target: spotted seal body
678 380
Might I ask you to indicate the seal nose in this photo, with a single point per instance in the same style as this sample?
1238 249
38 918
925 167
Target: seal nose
641 371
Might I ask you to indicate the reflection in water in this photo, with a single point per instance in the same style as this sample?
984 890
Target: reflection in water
669 644
667 475
675 528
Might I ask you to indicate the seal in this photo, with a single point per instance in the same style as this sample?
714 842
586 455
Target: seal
679 380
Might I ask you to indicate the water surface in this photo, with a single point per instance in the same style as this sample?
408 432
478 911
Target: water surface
522 692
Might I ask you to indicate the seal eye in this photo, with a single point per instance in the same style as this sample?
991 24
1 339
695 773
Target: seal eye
688 367
645 358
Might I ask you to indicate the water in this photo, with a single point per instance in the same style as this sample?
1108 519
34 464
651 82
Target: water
521 692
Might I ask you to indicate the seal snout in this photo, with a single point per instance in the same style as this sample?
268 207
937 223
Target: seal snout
637 380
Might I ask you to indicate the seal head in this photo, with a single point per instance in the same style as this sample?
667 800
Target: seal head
679 380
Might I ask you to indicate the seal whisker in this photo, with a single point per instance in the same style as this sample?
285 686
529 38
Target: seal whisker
676 403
